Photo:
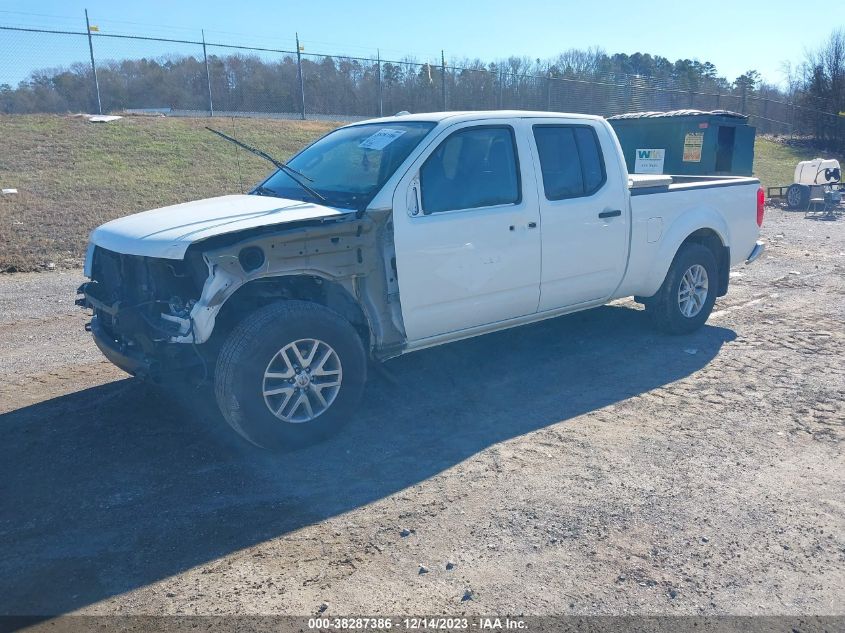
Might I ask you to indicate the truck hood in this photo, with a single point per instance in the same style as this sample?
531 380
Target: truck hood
169 231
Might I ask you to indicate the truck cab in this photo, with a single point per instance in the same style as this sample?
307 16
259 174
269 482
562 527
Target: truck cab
507 219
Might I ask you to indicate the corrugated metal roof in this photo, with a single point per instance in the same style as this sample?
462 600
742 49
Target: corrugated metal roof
673 113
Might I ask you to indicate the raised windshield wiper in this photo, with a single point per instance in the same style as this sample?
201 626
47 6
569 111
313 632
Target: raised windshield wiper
290 171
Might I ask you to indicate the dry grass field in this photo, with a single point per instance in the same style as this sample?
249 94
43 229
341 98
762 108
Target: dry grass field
73 175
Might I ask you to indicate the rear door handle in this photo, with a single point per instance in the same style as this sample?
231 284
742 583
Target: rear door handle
610 214
532 225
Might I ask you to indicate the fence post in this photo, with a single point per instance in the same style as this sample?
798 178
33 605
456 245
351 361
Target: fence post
443 77
378 77
207 76
792 118
301 80
764 116
501 90
93 65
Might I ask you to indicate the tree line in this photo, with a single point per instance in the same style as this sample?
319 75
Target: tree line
576 80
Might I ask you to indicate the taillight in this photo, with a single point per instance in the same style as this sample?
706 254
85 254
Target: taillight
761 203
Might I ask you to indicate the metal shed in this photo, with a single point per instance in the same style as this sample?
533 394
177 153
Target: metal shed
686 142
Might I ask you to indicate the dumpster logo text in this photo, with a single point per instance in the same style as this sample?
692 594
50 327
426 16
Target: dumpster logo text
649 161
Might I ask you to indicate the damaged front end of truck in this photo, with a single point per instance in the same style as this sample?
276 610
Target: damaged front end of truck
137 306
156 317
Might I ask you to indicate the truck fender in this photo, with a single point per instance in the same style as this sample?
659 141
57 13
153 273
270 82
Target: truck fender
224 284
687 223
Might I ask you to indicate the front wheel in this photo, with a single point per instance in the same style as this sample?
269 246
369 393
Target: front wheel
290 374
685 300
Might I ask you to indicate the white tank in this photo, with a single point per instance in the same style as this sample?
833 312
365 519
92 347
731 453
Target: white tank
817 172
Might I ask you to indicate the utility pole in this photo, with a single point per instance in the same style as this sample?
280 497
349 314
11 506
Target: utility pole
207 76
93 65
301 79
443 77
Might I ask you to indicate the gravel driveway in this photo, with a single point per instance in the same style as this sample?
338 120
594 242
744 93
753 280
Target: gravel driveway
584 465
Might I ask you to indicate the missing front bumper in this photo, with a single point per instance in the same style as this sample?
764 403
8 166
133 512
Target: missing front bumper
169 359
130 361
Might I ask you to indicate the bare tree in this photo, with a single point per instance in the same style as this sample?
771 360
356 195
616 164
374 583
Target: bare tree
818 85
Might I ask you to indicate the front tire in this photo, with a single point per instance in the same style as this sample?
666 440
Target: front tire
290 375
685 300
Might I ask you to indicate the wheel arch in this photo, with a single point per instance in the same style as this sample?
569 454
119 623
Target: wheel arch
313 287
702 226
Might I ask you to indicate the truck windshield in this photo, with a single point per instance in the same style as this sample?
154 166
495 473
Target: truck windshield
347 167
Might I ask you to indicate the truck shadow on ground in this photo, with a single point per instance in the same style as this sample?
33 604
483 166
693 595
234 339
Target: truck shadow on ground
113 488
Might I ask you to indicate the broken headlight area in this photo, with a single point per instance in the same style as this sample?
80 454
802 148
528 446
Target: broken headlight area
140 303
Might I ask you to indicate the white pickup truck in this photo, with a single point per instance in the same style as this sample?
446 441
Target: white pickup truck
396 234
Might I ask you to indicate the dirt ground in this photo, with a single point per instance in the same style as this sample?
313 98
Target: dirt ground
584 465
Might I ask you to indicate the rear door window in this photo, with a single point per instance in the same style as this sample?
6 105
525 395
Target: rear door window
571 161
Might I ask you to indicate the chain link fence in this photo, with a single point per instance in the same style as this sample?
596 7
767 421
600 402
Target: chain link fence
104 72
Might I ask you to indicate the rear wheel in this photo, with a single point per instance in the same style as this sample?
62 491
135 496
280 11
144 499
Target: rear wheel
290 375
686 298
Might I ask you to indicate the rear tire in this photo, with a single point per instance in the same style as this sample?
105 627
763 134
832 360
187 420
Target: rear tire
290 375
685 300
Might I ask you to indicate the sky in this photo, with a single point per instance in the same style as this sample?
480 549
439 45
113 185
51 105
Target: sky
735 35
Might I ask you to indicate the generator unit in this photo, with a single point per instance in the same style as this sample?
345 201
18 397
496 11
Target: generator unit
817 179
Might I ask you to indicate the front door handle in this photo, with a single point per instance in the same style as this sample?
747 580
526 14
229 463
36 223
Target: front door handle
532 225
610 214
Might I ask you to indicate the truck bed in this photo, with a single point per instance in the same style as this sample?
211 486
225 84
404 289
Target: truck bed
666 209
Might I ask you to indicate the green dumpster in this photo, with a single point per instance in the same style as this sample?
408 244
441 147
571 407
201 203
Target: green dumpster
686 142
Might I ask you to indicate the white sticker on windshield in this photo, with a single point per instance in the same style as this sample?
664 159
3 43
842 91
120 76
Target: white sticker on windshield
381 139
